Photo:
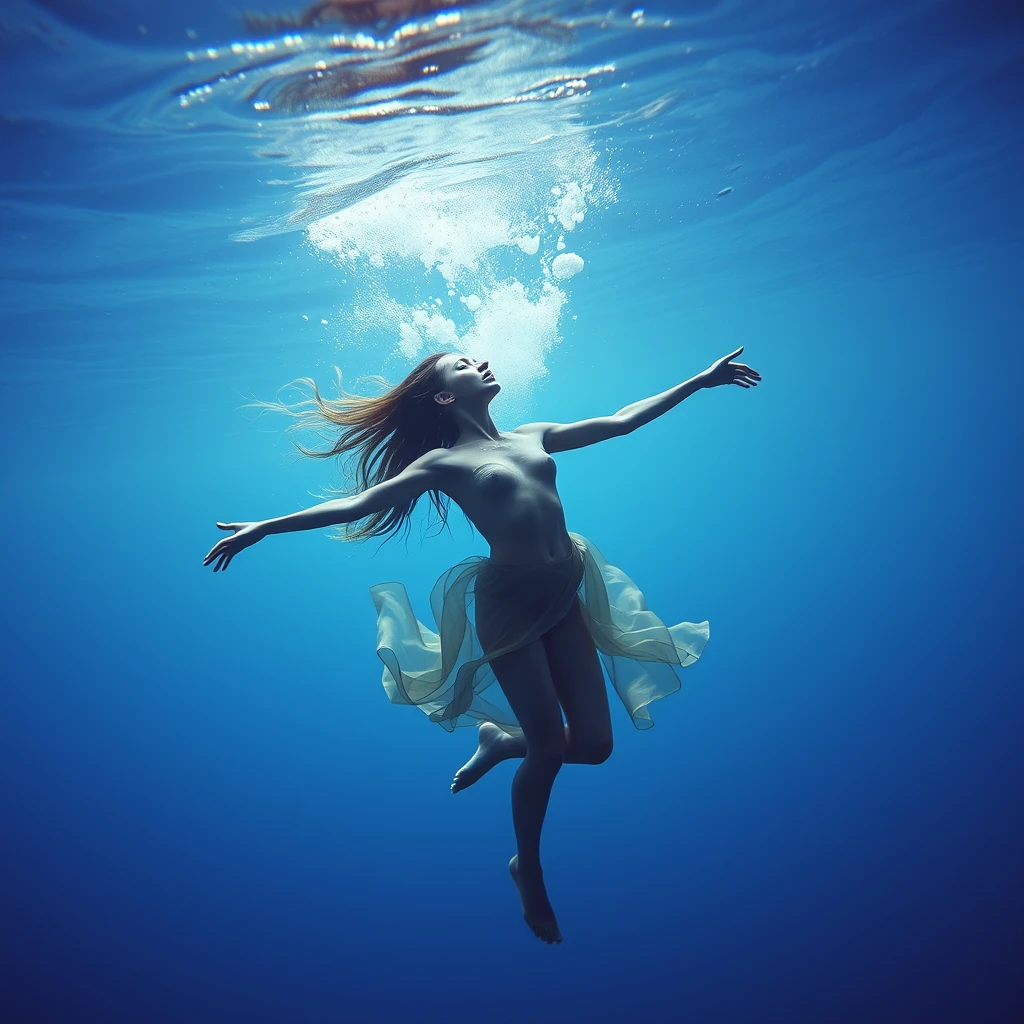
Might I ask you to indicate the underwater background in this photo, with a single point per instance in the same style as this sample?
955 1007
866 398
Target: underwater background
209 811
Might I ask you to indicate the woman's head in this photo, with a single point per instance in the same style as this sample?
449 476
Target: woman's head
387 432
464 381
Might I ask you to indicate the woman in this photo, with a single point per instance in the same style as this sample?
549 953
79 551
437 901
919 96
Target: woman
534 615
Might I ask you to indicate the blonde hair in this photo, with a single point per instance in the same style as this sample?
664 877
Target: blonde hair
384 434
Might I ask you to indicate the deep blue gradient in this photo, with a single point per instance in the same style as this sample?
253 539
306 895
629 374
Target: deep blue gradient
209 812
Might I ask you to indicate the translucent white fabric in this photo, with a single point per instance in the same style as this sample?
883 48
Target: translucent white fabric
447 674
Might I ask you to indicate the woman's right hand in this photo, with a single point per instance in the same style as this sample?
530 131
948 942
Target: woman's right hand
245 535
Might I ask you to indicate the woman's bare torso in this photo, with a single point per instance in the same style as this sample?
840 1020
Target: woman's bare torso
507 489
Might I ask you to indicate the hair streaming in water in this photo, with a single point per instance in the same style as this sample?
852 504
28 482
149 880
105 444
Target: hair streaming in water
383 433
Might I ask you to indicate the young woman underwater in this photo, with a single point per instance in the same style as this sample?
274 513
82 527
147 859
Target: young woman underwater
535 615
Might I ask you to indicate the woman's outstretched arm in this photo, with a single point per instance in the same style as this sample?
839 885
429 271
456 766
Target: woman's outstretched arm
722 371
402 488
562 437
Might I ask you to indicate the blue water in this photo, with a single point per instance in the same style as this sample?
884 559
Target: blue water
210 812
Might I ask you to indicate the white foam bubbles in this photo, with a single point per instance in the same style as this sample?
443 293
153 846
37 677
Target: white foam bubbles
571 207
407 222
515 331
410 341
429 329
566 265
471 232
511 327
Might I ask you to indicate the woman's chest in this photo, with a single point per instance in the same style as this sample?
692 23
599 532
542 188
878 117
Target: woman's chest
503 467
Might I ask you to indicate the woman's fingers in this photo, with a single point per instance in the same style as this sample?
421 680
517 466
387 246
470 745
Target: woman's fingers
725 371
748 371
222 552
215 551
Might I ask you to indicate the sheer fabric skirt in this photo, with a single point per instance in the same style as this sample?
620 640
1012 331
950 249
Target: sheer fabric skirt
484 609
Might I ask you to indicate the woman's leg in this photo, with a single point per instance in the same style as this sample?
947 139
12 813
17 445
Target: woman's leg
525 679
580 689
579 684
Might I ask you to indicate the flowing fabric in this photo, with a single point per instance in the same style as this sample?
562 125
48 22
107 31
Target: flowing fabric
484 609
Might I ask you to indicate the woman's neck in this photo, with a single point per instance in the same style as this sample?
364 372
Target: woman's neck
472 428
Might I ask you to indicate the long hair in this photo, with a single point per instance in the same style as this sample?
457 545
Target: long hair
384 434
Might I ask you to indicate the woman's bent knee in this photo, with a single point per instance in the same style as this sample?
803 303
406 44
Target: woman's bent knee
596 751
551 753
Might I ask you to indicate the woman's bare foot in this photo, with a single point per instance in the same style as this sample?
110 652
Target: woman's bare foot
495 745
536 907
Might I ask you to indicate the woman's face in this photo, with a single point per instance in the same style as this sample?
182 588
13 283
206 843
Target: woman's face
466 378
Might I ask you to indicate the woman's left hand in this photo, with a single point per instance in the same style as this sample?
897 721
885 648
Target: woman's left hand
724 371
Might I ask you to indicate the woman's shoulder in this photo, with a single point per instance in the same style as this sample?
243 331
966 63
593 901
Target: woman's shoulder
532 428
440 461
434 460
